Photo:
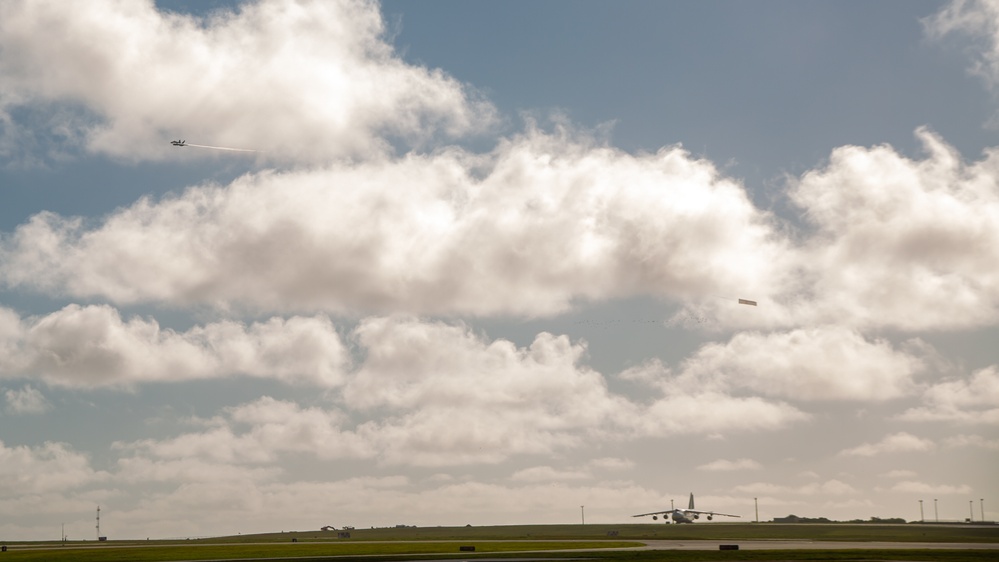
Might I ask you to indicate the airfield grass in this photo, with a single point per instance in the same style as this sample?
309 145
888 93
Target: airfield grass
395 553
291 551
410 543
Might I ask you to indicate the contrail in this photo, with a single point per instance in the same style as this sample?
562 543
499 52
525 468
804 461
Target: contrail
741 301
221 147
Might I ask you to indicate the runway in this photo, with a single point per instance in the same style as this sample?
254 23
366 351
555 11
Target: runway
582 554
794 544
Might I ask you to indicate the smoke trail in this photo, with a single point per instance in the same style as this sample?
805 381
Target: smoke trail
221 148
740 301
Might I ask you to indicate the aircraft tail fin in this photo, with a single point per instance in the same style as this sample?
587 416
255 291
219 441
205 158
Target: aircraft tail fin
691 506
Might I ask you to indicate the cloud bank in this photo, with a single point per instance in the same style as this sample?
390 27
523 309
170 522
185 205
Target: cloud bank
306 81
375 214
545 220
90 346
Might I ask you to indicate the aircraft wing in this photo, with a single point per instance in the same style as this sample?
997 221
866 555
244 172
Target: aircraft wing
712 513
668 511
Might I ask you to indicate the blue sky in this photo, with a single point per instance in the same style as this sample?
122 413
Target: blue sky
483 265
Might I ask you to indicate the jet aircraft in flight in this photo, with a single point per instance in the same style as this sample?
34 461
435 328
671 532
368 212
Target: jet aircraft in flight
179 143
683 515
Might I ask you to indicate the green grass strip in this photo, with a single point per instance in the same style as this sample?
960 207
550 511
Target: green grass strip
112 553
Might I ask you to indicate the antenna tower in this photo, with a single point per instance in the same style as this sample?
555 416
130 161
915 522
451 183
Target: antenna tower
98 522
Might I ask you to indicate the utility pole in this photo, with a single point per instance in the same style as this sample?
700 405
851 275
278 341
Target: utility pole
757 504
971 510
983 509
582 514
98 523
921 511
936 515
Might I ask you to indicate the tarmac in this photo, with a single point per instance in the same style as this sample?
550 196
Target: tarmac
794 544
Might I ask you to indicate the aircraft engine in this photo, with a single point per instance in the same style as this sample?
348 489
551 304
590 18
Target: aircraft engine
655 517
709 518
696 516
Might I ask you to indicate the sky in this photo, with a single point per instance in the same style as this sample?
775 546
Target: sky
480 263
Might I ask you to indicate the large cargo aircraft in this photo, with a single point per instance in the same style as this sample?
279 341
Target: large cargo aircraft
683 515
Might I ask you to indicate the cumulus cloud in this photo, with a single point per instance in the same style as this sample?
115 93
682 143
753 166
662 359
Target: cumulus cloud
683 404
978 19
51 467
536 399
725 465
450 396
901 243
715 412
191 470
545 220
612 463
548 474
27 400
437 394
830 487
970 400
425 393
303 81
900 442
912 487
903 473
972 441
92 345
258 433
823 363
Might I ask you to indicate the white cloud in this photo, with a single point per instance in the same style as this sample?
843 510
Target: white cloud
548 474
434 394
448 396
715 412
612 463
259 433
300 80
981 390
191 470
51 467
898 242
823 363
972 441
543 221
725 465
973 400
978 19
829 487
900 442
92 345
11 339
27 400
900 474
912 487
425 393
687 404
